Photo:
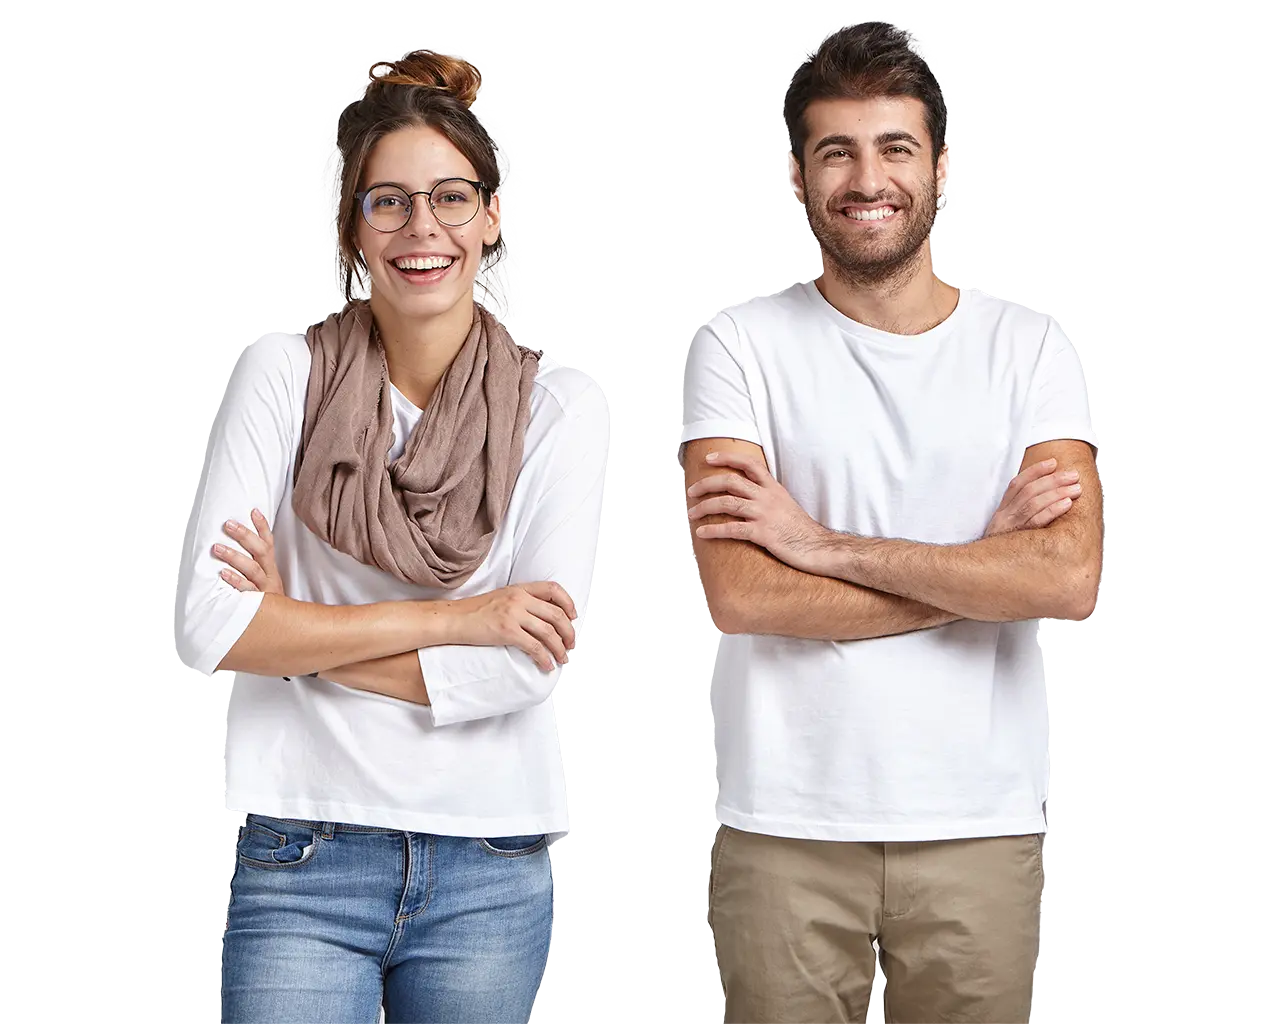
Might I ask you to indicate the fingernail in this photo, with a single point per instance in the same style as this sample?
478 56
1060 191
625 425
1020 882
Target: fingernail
1066 502
232 525
219 549
1074 488
711 457
1070 474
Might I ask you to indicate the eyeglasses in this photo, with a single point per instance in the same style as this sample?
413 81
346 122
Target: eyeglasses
454 201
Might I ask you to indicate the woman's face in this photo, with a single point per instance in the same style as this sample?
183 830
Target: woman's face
416 159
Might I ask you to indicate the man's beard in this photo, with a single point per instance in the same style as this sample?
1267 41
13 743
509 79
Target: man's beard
873 262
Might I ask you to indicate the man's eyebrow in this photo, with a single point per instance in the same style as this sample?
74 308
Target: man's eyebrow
847 142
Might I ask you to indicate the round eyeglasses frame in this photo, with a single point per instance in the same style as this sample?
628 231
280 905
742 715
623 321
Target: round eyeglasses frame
362 199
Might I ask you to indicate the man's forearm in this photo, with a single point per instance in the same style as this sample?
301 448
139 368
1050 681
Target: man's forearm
782 601
288 637
786 602
1023 575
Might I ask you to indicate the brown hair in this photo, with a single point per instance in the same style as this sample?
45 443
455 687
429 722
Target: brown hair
425 89
861 62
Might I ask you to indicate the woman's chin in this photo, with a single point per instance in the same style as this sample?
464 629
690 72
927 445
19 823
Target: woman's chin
424 304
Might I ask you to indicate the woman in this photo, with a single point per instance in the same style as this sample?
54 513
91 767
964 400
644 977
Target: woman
398 617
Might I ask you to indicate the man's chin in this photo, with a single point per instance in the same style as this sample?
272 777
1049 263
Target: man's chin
864 267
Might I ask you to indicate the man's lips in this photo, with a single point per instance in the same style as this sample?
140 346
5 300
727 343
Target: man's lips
869 213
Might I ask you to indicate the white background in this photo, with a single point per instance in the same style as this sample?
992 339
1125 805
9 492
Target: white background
136 266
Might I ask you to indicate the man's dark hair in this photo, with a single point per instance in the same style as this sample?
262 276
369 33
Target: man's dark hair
861 62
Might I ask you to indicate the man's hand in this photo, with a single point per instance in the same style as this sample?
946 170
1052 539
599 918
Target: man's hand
257 569
766 514
1035 498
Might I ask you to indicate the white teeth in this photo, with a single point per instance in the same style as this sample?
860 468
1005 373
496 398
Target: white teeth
424 262
881 213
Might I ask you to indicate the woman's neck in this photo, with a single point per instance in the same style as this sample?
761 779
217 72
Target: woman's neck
420 350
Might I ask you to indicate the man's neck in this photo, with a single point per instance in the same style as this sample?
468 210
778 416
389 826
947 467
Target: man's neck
910 302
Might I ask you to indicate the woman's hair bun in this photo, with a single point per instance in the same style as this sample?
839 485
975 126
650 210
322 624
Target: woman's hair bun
432 70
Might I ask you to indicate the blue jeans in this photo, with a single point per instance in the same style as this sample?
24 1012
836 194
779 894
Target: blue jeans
329 921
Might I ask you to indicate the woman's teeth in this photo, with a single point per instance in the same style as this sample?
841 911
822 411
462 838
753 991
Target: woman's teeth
424 262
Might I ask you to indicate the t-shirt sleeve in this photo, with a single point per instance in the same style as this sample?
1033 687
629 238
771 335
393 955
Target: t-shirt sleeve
246 466
716 399
1059 409
466 683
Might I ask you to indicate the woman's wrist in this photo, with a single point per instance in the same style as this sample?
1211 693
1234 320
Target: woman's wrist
438 623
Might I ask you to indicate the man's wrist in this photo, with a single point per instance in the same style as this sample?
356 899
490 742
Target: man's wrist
841 554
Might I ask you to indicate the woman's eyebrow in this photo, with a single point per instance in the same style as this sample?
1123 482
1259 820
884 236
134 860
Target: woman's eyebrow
407 188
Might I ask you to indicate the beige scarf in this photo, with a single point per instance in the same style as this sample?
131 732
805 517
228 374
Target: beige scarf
430 516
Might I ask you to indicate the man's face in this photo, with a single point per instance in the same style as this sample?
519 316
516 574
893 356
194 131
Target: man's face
868 183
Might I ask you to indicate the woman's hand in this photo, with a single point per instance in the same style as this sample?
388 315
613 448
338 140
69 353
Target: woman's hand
534 617
257 569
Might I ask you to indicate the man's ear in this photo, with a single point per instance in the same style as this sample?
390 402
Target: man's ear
942 170
796 179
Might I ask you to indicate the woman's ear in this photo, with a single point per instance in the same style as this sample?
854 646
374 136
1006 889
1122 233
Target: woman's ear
492 210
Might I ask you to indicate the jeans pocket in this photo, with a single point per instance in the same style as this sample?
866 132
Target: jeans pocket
261 846
513 846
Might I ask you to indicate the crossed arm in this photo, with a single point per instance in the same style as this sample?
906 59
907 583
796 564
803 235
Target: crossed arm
767 567
375 646
468 658
290 637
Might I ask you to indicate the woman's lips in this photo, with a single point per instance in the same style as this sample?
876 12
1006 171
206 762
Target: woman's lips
424 277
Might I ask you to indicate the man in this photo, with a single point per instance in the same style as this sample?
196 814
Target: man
878 698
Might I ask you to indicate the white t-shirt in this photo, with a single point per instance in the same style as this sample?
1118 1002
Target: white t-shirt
935 734
483 759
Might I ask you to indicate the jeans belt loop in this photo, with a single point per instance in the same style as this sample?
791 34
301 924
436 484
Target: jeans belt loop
329 828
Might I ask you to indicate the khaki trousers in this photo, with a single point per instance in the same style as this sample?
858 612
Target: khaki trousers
795 921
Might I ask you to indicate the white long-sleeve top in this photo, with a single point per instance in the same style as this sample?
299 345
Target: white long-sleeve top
483 758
